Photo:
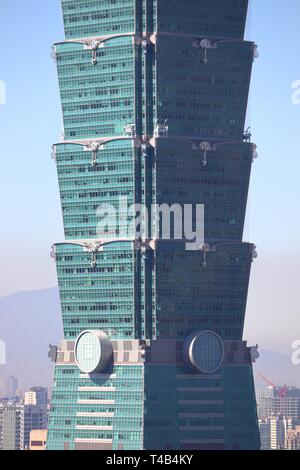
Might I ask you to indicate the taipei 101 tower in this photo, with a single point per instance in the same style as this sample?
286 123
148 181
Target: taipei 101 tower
154 96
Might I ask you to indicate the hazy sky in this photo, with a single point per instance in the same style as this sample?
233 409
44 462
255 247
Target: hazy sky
31 121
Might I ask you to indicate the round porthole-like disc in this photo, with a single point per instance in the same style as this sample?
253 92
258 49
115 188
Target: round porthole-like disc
93 351
205 351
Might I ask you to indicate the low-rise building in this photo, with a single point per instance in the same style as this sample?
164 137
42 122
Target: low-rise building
292 439
38 439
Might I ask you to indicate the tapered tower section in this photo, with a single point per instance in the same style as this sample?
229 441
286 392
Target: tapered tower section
154 97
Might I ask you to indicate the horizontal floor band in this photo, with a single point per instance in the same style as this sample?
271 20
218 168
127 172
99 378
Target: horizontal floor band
200 389
82 427
201 415
95 402
94 441
202 441
97 389
82 414
201 428
200 402
98 376
198 377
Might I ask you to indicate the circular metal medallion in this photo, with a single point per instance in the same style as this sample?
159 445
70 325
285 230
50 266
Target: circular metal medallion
93 351
205 351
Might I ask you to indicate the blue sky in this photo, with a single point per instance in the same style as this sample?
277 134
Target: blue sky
31 121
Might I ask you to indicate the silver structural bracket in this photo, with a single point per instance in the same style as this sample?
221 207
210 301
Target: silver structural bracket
255 52
93 147
205 147
254 253
144 149
254 152
144 40
144 44
204 250
93 45
53 54
52 352
254 353
247 135
93 248
130 130
53 253
206 44
161 130
144 246
53 153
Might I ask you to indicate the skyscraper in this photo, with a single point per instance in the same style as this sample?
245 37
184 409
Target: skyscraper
30 398
17 421
154 97
292 439
279 427
11 426
265 433
35 418
280 401
41 394
11 385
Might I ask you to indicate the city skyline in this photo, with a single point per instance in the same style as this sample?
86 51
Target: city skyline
22 415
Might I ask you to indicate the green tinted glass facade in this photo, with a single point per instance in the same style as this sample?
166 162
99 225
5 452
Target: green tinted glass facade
154 96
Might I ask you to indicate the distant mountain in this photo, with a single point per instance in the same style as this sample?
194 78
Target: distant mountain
29 321
278 368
